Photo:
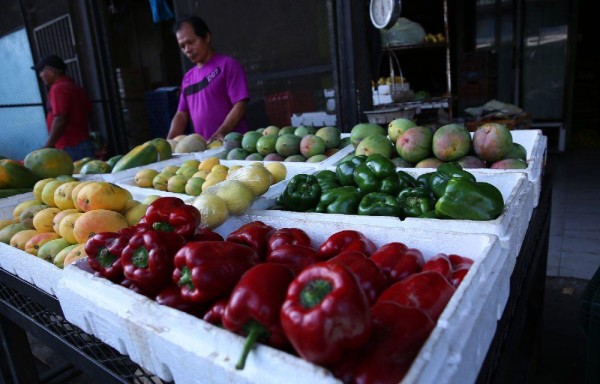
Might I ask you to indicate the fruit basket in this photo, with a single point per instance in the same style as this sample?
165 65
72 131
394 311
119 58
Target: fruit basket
177 346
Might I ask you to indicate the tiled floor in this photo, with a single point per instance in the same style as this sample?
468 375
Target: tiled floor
575 228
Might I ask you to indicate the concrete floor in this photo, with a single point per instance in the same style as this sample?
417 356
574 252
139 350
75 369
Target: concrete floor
574 256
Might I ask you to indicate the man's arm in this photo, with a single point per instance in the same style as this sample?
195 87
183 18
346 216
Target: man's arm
233 117
178 124
58 127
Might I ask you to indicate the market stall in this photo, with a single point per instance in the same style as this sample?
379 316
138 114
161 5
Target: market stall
117 331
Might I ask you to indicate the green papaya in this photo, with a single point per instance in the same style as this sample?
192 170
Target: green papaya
13 191
143 154
15 175
163 147
113 160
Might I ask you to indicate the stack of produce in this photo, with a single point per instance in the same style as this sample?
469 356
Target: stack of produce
409 145
300 144
55 225
370 185
192 143
193 176
20 176
274 287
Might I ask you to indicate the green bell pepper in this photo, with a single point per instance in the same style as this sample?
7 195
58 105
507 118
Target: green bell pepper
444 173
370 174
327 180
342 200
406 180
423 180
302 193
468 200
379 204
414 202
345 170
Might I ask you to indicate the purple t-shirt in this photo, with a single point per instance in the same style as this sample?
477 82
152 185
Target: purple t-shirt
208 94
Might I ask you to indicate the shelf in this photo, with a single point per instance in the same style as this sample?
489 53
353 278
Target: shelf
415 46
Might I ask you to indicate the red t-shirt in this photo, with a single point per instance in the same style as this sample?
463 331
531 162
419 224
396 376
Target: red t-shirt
69 100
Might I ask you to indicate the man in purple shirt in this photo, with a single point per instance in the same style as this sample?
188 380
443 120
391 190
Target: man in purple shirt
214 92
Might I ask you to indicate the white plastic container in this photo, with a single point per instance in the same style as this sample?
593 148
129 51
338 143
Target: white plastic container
175 160
513 186
36 271
176 346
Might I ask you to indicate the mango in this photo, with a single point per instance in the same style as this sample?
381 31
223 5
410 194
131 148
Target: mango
102 195
21 238
50 249
42 221
36 242
96 221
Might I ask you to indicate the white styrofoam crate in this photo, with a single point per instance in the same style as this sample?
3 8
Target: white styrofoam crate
28 267
38 272
176 346
512 185
536 145
261 202
175 160
7 204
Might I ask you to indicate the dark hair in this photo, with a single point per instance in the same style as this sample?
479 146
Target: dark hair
200 27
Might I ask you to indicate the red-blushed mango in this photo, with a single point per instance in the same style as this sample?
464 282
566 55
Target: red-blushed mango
492 141
451 142
414 144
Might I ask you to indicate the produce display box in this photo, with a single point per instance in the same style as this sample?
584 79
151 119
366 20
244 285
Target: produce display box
30 268
175 160
262 202
517 196
536 145
176 346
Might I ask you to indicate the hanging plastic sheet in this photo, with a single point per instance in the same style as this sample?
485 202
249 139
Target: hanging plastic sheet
160 10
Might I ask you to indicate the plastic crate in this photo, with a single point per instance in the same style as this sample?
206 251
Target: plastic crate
161 105
281 106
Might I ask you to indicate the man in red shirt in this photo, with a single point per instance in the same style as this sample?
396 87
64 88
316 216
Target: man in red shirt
68 110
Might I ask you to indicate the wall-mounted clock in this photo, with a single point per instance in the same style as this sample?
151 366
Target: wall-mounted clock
385 13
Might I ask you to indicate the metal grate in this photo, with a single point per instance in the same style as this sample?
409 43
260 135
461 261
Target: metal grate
89 345
56 38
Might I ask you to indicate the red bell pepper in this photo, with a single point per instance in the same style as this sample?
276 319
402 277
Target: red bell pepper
459 262
132 287
254 305
345 241
371 278
208 270
284 236
135 229
458 276
398 261
171 297
429 291
326 313
172 214
104 254
398 335
255 235
148 259
214 315
206 234
297 257
439 263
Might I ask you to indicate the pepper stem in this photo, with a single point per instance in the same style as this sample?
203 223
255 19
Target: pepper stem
186 278
255 331
162 226
140 257
314 292
105 258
